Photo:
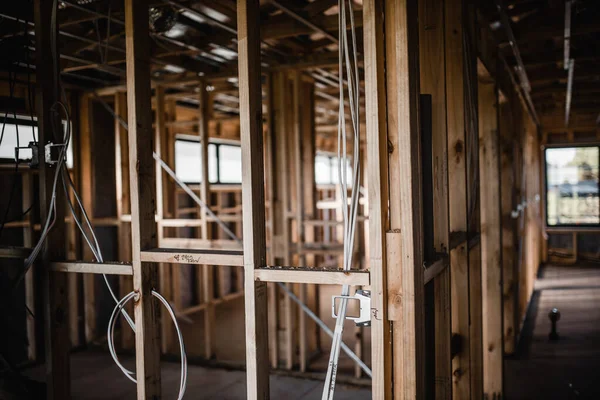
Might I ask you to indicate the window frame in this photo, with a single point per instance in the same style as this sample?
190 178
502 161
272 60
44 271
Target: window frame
562 228
215 142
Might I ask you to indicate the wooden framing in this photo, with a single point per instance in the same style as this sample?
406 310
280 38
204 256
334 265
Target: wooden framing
457 197
55 285
410 47
143 197
257 348
491 257
432 33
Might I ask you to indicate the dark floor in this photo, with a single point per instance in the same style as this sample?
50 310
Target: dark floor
568 368
94 376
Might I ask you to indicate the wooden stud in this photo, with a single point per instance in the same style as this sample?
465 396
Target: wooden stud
143 197
123 207
257 348
206 272
433 82
404 287
86 192
55 286
27 183
491 260
457 195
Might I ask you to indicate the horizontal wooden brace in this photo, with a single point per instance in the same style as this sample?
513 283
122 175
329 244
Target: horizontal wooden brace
188 256
14 252
92 268
435 269
312 275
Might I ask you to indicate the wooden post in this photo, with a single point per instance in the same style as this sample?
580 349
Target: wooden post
507 174
143 198
123 207
87 198
457 196
257 348
491 258
207 288
404 252
55 287
433 81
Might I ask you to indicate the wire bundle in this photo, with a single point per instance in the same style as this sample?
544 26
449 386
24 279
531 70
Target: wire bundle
348 56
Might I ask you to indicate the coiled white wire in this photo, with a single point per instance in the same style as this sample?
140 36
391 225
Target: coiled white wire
111 341
349 213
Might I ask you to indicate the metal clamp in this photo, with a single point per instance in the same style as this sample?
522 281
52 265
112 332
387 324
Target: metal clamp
52 153
364 299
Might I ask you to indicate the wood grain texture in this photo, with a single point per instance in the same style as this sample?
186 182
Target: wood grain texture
253 198
55 286
457 194
491 259
377 172
142 177
403 152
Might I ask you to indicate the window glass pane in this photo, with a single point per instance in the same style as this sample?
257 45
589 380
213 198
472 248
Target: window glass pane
212 163
9 142
187 161
572 186
230 164
322 170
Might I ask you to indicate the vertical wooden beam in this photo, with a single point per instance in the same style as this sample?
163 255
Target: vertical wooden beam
491 258
507 174
257 348
87 198
405 295
433 81
55 287
123 207
307 118
457 195
27 183
143 197
204 111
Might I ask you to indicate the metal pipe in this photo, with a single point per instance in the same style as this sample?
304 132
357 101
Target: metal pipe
567 34
569 91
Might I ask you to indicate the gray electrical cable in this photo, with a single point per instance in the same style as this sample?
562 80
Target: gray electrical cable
349 215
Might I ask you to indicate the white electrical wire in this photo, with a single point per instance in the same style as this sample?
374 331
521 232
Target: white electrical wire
111 343
349 214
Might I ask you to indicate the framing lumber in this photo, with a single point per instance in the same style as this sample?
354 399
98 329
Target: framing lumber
87 198
314 276
197 257
405 288
205 284
433 81
123 207
92 268
491 257
142 177
257 348
55 286
457 195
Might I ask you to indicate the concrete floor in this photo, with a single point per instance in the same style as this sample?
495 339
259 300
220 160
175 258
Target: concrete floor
568 368
94 376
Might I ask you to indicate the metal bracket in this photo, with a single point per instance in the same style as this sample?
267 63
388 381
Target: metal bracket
364 299
52 153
